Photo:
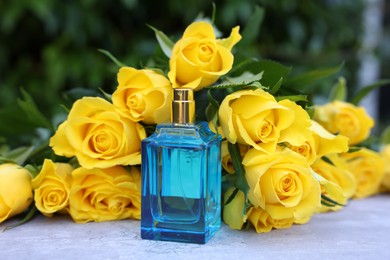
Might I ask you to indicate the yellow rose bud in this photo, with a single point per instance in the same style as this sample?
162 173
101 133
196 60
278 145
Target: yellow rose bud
385 183
199 59
307 150
282 184
143 95
263 222
253 117
105 194
320 143
51 187
233 211
337 173
368 168
98 135
345 119
15 190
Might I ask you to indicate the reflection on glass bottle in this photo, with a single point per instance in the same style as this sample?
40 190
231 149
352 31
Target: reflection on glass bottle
181 173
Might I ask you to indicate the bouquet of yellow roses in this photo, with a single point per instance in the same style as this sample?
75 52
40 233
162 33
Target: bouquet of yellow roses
284 159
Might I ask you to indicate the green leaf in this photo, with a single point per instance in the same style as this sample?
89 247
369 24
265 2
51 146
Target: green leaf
243 66
150 129
327 160
247 79
34 170
294 98
327 204
29 107
366 90
310 110
14 122
231 87
339 90
212 110
325 200
276 87
18 155
231 197
252 29
240 181
312 76
385 136
273 72
30 215
165 43
354 149
112 58
74 94
106 95
4 159
213 13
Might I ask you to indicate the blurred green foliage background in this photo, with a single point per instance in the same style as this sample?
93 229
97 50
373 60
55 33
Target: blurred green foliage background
50 47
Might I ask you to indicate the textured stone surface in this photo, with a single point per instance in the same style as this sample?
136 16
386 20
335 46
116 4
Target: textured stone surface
360 231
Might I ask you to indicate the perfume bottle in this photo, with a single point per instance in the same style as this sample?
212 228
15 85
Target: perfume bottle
181 177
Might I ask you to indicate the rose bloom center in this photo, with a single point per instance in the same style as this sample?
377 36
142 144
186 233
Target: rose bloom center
101 142
303 149
266 129
205 52
54 197
135 102
286 187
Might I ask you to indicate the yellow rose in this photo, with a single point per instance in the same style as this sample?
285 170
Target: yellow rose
345 119
263 222
233 211
143 95
105 194
98 135
282 184
385 153
368 168
51 187
320 143
15 190
336 172
199 59
253 117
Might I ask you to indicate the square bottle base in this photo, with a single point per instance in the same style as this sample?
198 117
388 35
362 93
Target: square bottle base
177 235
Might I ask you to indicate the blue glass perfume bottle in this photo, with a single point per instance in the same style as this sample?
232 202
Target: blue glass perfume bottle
181 177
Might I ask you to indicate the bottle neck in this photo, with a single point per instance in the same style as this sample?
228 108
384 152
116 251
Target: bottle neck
183 107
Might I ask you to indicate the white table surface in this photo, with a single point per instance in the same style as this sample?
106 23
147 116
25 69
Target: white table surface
360 231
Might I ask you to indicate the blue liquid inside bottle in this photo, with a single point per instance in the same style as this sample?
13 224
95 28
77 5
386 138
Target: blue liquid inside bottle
181 183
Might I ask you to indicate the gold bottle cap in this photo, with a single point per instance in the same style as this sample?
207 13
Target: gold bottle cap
183 106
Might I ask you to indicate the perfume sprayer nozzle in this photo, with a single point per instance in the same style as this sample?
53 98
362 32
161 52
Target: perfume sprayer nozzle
183 106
